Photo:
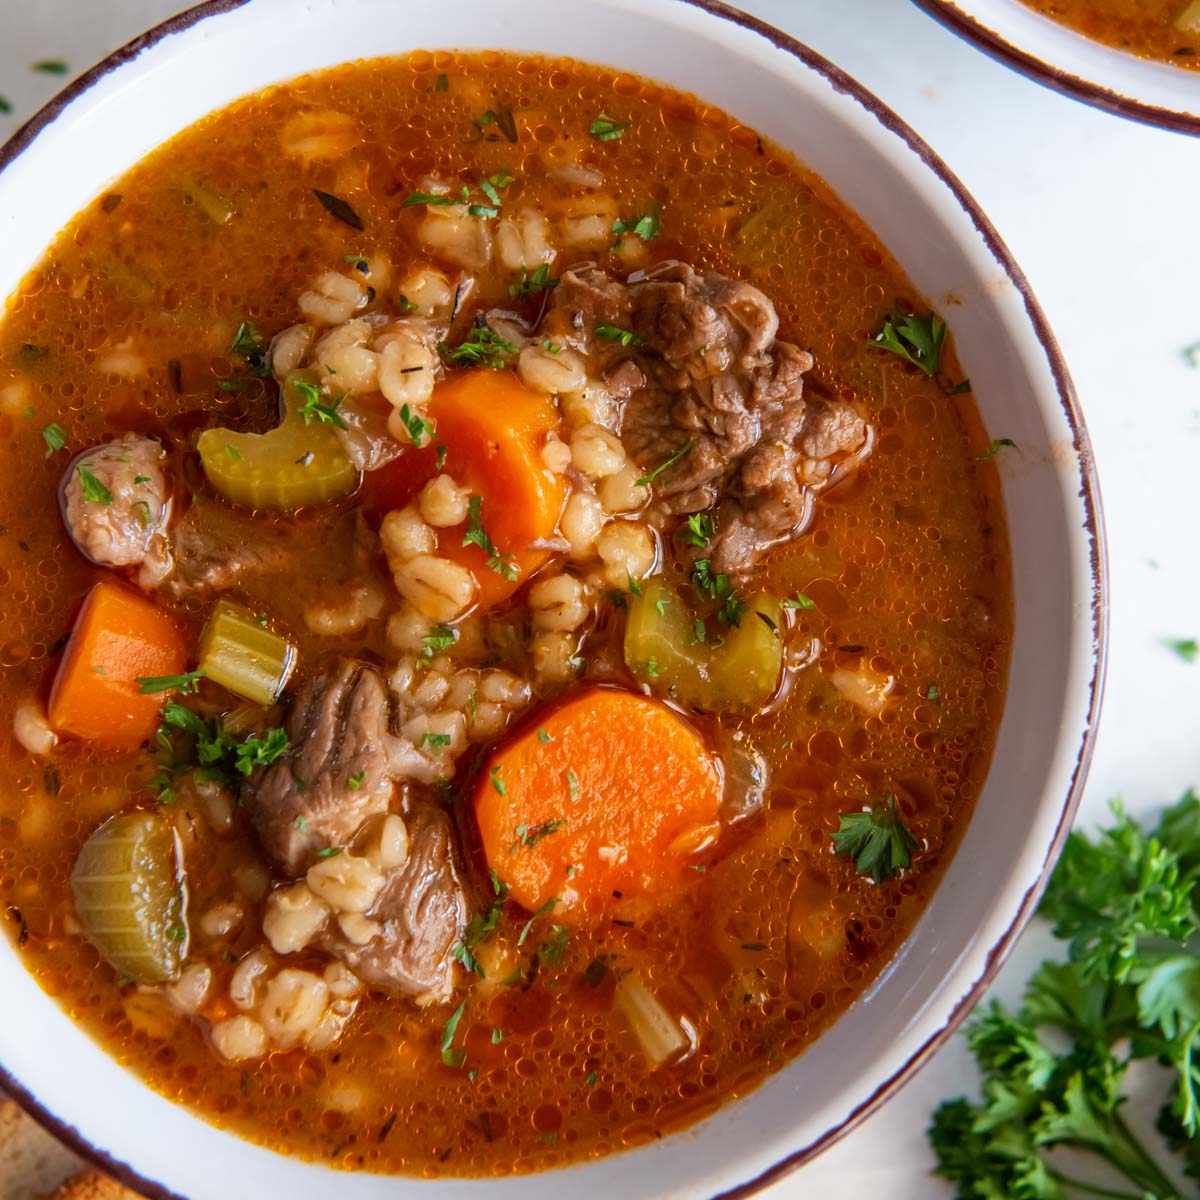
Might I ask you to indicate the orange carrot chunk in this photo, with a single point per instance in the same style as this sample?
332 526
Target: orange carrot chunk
492 429
609 792
118 638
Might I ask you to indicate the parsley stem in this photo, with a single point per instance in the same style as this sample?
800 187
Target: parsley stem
1143 1171
1090 1188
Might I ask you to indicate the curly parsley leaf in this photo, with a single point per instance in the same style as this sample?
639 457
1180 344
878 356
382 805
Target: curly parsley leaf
877 840
501 563
916 339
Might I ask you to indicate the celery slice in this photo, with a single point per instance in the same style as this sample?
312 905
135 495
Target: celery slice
740 671
129 897
240 654
661 1035
296 464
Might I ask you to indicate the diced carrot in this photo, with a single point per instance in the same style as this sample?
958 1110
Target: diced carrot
119 637
608 793
493 428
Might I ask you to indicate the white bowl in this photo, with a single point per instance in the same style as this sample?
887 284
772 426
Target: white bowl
217 52
1050 53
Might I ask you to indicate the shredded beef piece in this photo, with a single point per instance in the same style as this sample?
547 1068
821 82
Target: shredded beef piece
422 912
712 376
127 525
336 773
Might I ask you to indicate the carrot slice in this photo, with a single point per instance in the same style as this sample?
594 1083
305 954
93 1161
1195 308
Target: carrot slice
119 637
493 428
609 792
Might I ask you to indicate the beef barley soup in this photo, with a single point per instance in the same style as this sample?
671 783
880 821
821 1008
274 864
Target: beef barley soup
508 613
1166 30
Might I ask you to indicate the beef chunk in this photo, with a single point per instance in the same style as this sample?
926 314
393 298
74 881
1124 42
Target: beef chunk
421 911
116 505
215 546
336 772
713 376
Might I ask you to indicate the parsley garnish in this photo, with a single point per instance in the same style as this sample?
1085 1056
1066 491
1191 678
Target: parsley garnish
551 952
530 835
932 692
438 640
1186 648
497 782
651 667
503 120
151 685
572 786
917 340
94 492
1125 904
437 742
607 129
646 226
539 281
541 912
994 448
190 745
233 453
542 735
612 333
719 588
419 429
326 414
476 535
647 480
497 1035
329 852
441 84
699 530
248 342
55 437
480 927
450 1056
51 66
799 600
484 348
356 780
877 841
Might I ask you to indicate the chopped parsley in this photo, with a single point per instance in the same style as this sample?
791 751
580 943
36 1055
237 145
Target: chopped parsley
699 630
541 912
497 782
301 824
437 742
635 588
476 535
1186 648
1192 354
151 685
451 1056
484 348
356 780
189 744
613 333
932 692
359 262
419 429
800 600
651 667
480 927
51 66
313 406
542 735
552 347
876 839
438 640
607 129
55 437
503 120
591 1079
646 226
647 480
551 951
94 492
572 786
719 588
233 453
497 1035
994 448
915 339
530 835
698 530
329 852
248 342
539 281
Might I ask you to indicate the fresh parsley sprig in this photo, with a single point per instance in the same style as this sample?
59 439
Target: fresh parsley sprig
1054 1070
916 339
877 839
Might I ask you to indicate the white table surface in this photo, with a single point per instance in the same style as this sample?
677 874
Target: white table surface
1101 213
